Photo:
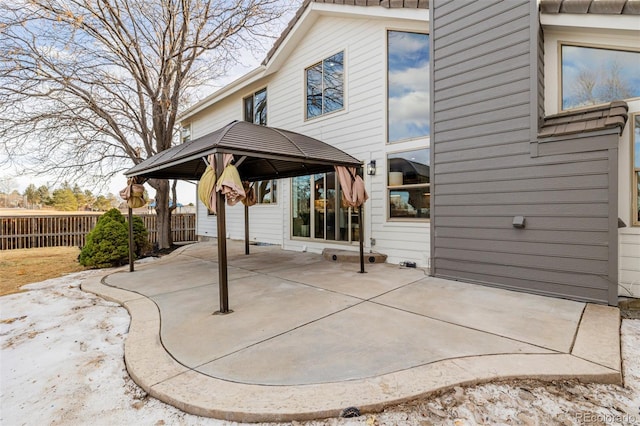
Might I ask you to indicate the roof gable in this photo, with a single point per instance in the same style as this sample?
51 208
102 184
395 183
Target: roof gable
305 17
389 4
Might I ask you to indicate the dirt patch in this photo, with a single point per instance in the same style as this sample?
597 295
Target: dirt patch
12 320
629 308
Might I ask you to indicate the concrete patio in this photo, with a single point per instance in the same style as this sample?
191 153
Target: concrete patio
309 337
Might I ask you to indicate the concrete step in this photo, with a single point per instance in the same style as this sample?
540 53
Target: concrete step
349 256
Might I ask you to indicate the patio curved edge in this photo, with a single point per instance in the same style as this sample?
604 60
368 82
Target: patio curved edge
162 377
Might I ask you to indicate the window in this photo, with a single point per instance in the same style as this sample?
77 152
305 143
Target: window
325 86
255 108
636 169
407 85
185 133
592 76
266 191
408 184
318 211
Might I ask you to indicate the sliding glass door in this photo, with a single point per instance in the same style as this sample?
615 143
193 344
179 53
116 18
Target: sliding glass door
318 212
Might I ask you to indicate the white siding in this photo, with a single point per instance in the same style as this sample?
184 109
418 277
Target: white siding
629 253
265 223
359 129
205 224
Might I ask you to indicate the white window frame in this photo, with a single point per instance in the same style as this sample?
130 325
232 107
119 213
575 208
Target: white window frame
586 45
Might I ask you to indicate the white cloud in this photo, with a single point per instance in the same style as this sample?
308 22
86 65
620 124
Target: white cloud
414 79
409 115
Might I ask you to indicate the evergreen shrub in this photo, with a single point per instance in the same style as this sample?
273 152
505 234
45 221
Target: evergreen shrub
108 243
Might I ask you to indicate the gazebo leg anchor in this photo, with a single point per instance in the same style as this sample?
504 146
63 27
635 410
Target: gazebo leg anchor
227 312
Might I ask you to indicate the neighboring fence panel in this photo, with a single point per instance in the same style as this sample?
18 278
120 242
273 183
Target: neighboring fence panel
18 232
183 227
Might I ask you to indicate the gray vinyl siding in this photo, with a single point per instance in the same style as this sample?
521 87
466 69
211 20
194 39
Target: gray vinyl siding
488 166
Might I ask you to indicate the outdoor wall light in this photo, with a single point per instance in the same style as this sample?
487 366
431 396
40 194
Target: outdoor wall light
371 168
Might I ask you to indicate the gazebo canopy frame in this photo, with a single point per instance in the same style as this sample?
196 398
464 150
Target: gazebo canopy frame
260 153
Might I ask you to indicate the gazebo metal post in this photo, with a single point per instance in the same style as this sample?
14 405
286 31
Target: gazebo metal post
361 232
222 243
246 229
130 239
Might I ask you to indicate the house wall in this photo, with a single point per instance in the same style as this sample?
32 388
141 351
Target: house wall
487 169
610 35
359 129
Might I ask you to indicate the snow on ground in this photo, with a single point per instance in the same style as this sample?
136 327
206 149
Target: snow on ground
61 363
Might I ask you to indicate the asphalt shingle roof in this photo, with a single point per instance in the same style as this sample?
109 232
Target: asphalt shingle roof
605 7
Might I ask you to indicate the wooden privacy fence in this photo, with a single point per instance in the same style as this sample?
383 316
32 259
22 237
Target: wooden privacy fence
18 232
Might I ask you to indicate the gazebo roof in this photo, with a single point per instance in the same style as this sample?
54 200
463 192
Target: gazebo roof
270 154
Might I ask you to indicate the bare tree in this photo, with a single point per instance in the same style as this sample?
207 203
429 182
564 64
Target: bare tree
7 184
88 87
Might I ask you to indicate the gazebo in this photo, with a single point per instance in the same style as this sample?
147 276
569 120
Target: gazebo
260 153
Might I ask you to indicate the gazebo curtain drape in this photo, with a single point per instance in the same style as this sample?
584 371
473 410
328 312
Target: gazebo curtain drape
229 184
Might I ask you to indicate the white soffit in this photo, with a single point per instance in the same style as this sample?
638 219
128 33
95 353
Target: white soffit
592 21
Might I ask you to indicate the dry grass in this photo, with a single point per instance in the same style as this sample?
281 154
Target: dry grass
24 266
43 212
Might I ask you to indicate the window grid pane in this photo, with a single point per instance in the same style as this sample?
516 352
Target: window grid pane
314 91
255 108
301 202
408 85
265 191
325 86
332 83
260 107
409 184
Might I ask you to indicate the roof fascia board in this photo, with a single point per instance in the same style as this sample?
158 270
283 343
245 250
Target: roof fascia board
591 21
247 79
304 23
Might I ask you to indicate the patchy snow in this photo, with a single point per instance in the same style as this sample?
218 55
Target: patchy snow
62 363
